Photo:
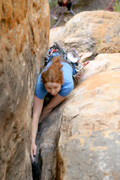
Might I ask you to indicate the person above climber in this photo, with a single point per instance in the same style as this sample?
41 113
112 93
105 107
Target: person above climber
67 3
56 79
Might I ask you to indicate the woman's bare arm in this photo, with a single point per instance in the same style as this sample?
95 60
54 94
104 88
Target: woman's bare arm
38 104
37 108
56 100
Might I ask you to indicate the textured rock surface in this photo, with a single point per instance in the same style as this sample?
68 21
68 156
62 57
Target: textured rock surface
87 146
24 35
88 31
78 6
99 4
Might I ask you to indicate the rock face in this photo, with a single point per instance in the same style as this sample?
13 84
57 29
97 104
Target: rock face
90 31
92 5
89 146
80 139
99 4
78 6
24 38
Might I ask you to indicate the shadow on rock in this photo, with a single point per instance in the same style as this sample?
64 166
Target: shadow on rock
37 166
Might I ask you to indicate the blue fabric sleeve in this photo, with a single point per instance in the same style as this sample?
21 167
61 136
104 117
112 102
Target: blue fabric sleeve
66 89
40 90
68 84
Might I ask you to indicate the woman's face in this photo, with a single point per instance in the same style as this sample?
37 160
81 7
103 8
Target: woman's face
53 88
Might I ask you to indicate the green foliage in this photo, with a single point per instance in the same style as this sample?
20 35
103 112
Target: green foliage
52 23
117 6
98 44
52 4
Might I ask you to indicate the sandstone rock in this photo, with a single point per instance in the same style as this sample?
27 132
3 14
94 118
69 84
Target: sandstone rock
24 38
99 4
47 141
92 5
90 31
88 144
78 6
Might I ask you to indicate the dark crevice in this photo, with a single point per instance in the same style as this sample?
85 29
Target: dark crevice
18 22
12 15
13 9
38 163
37 167
32 32
3 9
13 3
2 23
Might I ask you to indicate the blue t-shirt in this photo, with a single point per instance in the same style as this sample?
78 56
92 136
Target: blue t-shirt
66 87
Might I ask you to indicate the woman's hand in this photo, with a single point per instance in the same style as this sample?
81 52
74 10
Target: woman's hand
33 151
38 104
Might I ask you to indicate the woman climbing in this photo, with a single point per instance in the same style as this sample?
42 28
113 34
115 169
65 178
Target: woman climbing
56 79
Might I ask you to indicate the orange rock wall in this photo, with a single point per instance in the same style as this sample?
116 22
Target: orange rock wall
24 39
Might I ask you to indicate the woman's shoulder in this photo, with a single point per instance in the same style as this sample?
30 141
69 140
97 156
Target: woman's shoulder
67 69
66 87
